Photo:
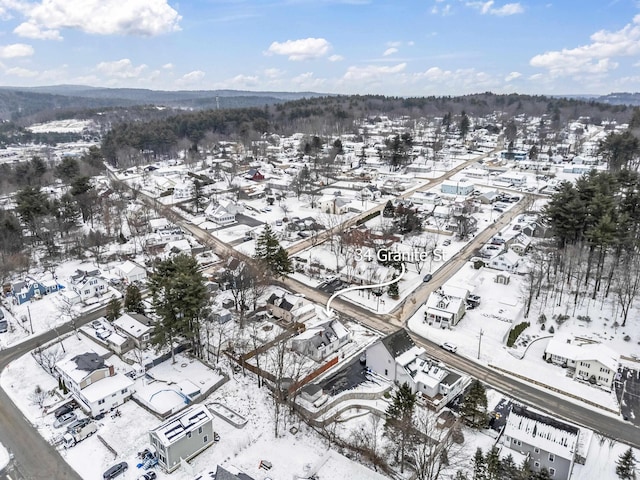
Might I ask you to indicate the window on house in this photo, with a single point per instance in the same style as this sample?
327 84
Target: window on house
517 442
100 402
114 395
199 430
552 457
552 472
536 464
537 450
205 439
188 434
124 391
386 372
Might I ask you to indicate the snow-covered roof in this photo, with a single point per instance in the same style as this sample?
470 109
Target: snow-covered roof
79 367
185 421
541 431
409 356
572 348
132 326
129 267
106 387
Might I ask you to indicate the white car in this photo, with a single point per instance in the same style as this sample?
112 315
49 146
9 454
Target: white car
450 347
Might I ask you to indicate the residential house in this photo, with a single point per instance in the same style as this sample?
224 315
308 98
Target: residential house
457 187
513 178
255 175
32 288
136 327
334 204
519 244
94 383
183 190
321 340
224 474
545 441
183 436
220 214
370 192
587 359
289 308
426 198
367 272
88 284
131 272
489 197
507 261
397 358
446 306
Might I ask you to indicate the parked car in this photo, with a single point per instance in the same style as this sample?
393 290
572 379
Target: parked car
103 333
446 243
148 476
65 419
62 410
78 424
450 347
427 278
116 470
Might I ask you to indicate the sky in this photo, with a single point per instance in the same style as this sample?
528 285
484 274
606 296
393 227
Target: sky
388 47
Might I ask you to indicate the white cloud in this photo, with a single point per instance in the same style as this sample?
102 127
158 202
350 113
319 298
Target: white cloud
444 11
512 76
389 51
16 50
31 30
596 57
487 8
168 66
460 80
245 81
190 78
303 49
100 17
370 72
21 72
336 58
122 69
273 73
307 81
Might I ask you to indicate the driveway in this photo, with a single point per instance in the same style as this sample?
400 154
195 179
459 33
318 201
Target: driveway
627 385
348 377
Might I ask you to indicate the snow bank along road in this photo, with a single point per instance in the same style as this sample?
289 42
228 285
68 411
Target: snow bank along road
34 457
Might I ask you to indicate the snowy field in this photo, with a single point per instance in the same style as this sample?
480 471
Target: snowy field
62 126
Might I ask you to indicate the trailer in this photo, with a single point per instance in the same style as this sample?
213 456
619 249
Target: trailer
69 439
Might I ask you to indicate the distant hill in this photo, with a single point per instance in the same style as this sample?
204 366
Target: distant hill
620 98
28 103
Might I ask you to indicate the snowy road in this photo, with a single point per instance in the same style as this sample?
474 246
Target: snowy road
34 457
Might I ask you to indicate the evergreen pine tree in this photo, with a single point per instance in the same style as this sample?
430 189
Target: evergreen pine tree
509 468
400 417
474 407
389 210
393 290
494 467
113 309
269 252
626 465
479 466
133 300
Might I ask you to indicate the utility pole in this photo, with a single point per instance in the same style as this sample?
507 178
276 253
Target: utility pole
30 322
480 342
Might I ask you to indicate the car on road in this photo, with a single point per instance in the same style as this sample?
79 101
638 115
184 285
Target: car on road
148 476
65 419
449 347
116 470
446 243
427 278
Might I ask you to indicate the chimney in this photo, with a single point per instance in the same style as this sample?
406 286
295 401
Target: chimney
111 371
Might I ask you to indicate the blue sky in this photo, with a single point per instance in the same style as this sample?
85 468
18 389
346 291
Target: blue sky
390 47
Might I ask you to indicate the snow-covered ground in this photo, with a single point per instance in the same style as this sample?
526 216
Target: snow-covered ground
62 126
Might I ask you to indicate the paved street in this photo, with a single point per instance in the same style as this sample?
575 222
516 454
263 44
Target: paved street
34 457
628 394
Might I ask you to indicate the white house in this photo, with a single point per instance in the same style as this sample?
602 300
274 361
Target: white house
397 358
136 327
94 383
88 284
507 261
321 340
333 204
183 190
457 187
590 360
513 178
131 272
223 214
290 308
446 306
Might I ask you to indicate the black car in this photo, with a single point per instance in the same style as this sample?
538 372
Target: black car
116 470
63 410
427 277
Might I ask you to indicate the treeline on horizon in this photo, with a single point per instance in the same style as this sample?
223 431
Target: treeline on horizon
333 115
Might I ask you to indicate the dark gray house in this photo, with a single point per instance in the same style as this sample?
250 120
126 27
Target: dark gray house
544 441
182 436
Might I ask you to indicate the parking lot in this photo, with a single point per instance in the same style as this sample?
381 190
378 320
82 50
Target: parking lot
627 386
